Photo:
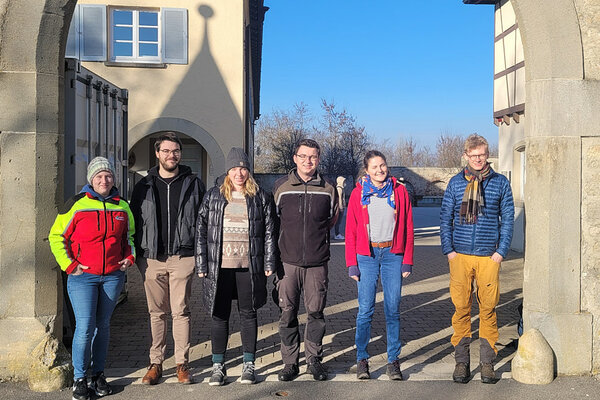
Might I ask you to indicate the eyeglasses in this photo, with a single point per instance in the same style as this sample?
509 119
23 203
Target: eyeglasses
304 157
477 156
166 152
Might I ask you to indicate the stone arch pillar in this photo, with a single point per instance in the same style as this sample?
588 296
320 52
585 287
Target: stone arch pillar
560 104
32 37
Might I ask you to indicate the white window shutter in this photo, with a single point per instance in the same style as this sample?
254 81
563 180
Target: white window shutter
175 35
93 32
72 48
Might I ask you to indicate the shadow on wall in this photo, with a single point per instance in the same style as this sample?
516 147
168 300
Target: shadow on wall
205 84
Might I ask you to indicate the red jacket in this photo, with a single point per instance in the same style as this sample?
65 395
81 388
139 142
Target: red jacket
357 231
94 233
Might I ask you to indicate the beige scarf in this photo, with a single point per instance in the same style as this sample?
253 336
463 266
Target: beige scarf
472 201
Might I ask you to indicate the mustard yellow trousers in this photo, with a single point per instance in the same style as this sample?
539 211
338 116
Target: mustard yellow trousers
463 269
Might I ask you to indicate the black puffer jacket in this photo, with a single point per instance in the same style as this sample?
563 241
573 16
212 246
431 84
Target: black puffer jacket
263 233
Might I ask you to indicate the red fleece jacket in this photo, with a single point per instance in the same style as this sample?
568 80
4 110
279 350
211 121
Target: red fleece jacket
357 230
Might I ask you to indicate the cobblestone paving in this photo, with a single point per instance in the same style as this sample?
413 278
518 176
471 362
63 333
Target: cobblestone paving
426 315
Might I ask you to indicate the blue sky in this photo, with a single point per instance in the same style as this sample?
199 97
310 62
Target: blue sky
413 68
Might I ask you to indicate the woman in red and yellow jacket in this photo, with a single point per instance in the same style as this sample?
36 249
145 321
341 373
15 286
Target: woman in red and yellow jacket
92 241
379 242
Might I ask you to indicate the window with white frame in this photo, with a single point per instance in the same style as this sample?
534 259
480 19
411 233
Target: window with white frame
130 35
134 35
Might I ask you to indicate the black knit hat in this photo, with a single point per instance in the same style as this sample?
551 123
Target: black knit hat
237 158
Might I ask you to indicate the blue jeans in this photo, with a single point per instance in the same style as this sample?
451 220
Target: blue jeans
94 298
389 265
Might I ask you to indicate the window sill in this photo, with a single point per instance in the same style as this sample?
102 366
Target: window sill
132 64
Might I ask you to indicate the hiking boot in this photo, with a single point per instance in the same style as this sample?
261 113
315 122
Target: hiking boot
462 372
183 374
317 370
219 373
99 385
487 373
362 369
153 375
248 375
393 371
80 389
288 373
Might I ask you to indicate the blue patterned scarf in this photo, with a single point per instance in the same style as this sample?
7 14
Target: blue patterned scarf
385 191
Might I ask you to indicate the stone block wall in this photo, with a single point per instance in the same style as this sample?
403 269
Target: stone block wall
590 239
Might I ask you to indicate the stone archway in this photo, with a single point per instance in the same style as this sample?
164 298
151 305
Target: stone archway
217 158
563 95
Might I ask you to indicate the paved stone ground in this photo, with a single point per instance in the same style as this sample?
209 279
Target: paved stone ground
426 314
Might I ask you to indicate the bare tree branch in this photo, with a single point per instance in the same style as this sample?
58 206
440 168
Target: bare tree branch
343 141
276 138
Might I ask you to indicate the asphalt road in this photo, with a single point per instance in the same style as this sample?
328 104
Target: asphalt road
565 388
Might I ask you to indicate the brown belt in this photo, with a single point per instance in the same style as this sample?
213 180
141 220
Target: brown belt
381 245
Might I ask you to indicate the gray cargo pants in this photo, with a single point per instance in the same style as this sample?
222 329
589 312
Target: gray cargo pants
314 281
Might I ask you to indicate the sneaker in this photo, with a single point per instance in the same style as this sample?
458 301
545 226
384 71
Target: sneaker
183 373
248 375
219 373
153 375
487 373
288 373
362 369
317 370
339 236
80 389
393 371
99 385
462 372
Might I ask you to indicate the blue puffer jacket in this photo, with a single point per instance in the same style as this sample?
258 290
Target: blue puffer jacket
494 228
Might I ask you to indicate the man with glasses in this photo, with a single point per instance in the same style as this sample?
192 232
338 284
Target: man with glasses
307 206
165 207
476 227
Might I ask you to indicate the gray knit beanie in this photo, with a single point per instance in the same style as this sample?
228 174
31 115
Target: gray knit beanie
97 165
237 158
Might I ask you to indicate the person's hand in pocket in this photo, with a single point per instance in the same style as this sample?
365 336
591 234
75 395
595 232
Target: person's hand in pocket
79 269
497 258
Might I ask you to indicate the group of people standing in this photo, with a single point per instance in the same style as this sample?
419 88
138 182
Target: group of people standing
236 235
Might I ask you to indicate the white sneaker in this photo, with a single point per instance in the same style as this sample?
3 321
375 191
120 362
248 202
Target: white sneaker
339 236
